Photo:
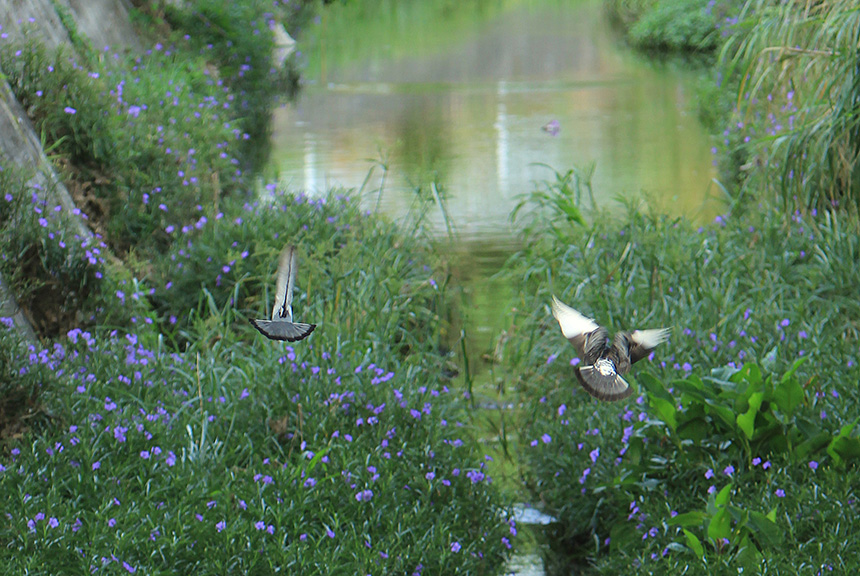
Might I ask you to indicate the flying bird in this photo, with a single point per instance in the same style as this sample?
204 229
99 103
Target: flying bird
604 361
281 326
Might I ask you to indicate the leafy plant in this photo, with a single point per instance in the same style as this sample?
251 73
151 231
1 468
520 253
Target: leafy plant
796 116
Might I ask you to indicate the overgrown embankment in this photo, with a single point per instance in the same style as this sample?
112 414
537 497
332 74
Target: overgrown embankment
740 449
173 436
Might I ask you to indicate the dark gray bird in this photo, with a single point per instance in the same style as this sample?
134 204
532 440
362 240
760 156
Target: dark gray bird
604 361
281 326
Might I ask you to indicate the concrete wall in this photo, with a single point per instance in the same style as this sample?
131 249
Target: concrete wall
104 23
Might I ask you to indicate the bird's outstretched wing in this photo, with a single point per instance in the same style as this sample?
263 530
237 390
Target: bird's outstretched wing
603 385
284 286
643 342
575 327
282 329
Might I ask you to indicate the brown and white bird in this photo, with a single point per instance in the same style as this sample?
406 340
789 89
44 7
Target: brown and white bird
604 361
281 326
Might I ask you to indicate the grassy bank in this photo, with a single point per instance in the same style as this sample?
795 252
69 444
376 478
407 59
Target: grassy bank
740 448
152 429
231 452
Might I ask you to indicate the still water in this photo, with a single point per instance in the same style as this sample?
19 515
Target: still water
456 94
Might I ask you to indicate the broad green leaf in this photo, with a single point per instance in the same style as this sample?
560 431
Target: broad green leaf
665 411
720 525
811 445
695 429
654 387
844 446
687 519
747 556
788 395
746 421
694 544
750 373
724 495
723 413
765 529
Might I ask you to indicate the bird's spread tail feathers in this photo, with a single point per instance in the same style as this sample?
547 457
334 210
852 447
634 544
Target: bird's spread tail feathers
603 385
282 330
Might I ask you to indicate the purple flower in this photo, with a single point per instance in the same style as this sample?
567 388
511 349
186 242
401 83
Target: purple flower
69 110
756 461
780 493
310 483
53 522
709 474
729 470
220 525
455 547
813 465
594 454
546 438
364 496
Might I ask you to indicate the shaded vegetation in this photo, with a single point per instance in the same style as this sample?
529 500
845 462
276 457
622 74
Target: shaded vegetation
796 115
747 408
674 25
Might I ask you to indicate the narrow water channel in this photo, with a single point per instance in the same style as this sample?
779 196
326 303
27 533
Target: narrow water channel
402 95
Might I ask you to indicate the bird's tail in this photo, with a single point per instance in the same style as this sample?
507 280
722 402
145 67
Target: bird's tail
283 330
609 387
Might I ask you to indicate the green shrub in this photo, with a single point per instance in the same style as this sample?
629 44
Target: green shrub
237 38
677 25
757 378
141 145
796 117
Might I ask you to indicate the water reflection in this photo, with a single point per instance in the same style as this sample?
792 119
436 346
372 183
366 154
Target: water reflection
467 113
459 97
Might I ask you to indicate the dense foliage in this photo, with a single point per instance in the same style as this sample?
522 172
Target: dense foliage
744 427
347 451
152 429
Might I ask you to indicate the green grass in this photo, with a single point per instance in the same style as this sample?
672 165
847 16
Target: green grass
761 367
151 428
674 26
215 449
796 111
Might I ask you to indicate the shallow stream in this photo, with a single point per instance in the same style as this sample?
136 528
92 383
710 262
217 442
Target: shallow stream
471 97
